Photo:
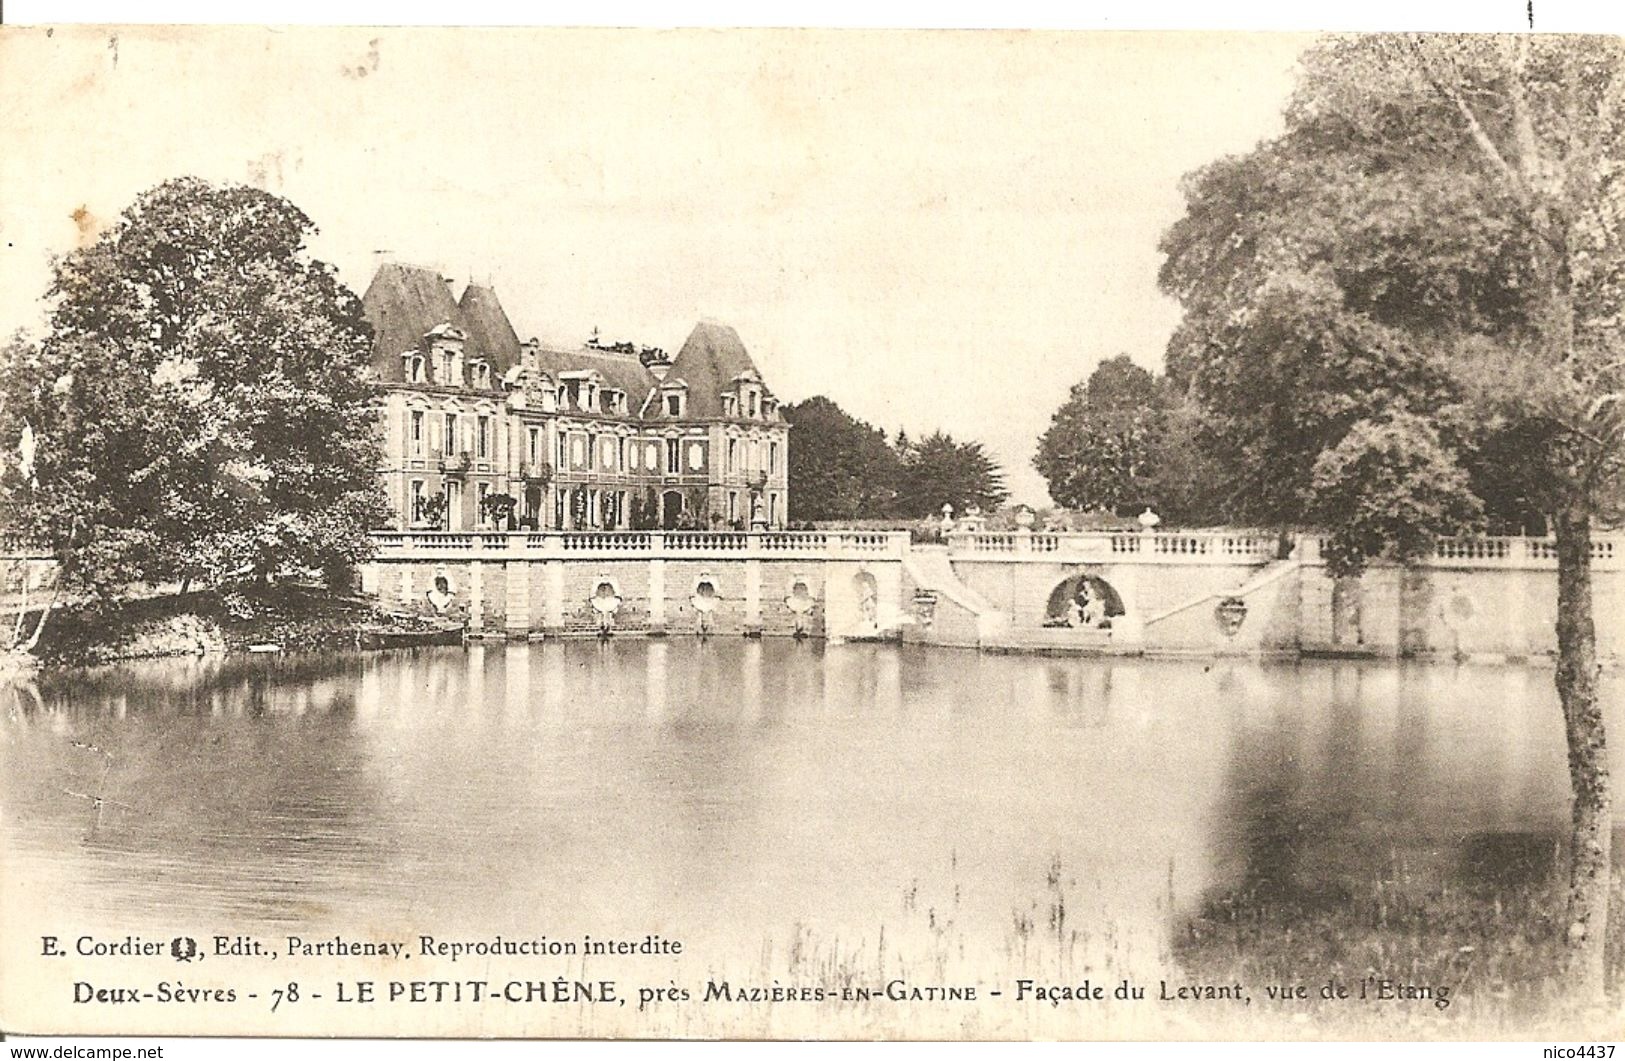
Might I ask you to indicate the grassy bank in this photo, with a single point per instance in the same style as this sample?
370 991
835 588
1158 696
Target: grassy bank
1447 964
1386 961
293 617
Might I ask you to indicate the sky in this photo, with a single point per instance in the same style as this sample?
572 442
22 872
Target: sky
934 229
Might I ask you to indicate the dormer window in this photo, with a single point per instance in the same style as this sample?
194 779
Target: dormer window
448 366
482 375
755 408
674 405
730 405
412 368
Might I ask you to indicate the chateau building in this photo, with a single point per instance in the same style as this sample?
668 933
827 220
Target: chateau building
603 437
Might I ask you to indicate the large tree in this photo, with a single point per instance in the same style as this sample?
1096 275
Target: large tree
200 406
939 470
1405 312
840 468
1096 453
1124 440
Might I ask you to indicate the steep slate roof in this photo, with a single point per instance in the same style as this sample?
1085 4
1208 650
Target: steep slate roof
489 330
708 362
405 302
624 372
402 304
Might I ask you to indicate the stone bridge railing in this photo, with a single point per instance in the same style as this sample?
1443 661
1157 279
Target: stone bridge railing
586 545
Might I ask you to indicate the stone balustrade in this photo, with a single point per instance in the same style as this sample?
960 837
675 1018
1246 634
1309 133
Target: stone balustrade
520 545
1221 547
1195 547
1504 552
1151 547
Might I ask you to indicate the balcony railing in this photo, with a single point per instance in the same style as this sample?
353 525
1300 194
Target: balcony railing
456 463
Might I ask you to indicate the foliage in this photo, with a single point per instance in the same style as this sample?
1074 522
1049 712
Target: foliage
200 402
1125 440
843 469
1096 453
938 470
497 509
1390 253
643 513
432 511
1186 481
839 467
1389 486
1411 304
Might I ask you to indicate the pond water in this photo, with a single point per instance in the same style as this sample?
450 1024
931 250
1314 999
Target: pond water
736 793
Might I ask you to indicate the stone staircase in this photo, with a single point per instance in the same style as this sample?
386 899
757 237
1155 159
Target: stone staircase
930 569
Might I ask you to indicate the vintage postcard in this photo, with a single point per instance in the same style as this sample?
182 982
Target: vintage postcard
810 534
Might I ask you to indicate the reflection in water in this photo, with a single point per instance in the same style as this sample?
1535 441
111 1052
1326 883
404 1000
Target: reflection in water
1349 776
654 682
750 681
730 789
1077 697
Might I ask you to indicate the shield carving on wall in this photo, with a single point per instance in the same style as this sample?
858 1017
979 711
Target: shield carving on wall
1230 614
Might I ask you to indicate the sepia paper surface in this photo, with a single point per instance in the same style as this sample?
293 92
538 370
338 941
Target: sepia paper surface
740 838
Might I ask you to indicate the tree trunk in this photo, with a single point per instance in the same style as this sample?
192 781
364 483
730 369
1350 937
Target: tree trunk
1589 854
39 627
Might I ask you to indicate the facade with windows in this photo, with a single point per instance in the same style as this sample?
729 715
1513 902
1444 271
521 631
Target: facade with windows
483 431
